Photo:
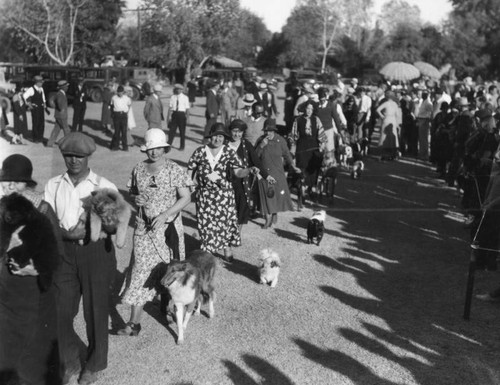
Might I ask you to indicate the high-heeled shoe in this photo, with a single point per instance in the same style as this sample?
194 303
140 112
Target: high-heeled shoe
130 329
269 221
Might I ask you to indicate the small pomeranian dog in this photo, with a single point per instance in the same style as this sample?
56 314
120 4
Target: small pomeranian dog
316 227
109 214
189 283
269 269
327 178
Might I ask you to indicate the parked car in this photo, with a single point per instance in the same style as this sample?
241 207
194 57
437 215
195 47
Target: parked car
96 78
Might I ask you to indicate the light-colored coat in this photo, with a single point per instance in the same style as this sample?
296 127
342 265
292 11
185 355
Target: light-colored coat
153 111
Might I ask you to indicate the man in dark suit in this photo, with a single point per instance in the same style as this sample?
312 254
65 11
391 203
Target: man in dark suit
61 112
79 106
212 105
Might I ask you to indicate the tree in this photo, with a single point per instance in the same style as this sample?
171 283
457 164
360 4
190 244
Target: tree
396 12
50 23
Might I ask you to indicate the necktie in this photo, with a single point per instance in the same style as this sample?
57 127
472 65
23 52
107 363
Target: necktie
177 105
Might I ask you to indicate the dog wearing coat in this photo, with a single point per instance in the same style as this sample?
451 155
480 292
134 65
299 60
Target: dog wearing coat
269 269
316 227
27 235
109 213
189 283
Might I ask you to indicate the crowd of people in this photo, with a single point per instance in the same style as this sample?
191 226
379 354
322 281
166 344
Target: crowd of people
239 171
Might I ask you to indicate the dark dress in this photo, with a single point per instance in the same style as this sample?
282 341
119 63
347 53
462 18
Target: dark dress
243 187
107 94
28 312
272 156
215 203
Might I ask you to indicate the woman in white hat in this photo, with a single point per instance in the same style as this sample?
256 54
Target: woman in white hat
161 190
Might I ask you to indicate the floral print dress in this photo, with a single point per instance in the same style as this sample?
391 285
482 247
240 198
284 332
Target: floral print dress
150 247
215 202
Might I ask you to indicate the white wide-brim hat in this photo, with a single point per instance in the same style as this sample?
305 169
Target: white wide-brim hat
154 138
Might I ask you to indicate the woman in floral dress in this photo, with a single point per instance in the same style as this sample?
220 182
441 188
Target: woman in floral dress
212 167
161 190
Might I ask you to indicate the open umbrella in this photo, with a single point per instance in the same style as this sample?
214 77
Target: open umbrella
400 71
427 69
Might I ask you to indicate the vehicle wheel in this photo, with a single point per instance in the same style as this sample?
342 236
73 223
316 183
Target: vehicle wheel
96 95
136 94
51 100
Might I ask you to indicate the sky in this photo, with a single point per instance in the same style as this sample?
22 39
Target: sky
275 12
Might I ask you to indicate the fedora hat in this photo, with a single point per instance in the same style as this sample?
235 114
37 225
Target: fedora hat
218 129
178 86
249 100
270 125
154 138
17 168
37 79
157 87
62 83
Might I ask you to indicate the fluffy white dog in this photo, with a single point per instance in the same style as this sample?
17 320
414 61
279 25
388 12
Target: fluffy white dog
270 267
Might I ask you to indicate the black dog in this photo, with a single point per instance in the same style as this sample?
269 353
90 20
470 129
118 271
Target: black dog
295 183
28 234
316 227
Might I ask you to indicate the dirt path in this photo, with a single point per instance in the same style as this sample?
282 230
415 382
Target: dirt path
379 302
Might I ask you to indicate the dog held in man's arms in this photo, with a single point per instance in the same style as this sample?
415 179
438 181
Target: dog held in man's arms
189 283
269 269
109 213
27 236
316 227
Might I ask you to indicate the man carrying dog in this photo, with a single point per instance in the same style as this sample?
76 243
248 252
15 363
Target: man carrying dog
87 268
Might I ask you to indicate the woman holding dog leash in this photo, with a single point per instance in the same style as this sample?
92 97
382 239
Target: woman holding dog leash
161 190
274 194
309 139
212 167
243 187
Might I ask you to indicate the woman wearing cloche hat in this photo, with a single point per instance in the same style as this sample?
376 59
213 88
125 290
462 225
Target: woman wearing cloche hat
27 298
212 167
160 188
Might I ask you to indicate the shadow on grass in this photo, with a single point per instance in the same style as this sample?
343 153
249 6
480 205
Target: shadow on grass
243 268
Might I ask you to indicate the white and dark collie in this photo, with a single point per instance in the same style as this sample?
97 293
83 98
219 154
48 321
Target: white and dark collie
189 283
269 269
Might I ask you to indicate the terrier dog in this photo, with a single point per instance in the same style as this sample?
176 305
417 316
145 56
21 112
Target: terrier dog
190 282
109 214
27 236
316 227
269 269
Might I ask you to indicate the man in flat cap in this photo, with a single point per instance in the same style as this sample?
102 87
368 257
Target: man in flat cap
61 112
35 99
88 267
178 114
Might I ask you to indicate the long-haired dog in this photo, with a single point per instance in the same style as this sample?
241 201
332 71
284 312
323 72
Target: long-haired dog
316 227
189 283
26 235
269 269
109 213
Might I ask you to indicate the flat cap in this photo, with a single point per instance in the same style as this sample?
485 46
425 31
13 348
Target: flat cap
78 144
62 83
37 78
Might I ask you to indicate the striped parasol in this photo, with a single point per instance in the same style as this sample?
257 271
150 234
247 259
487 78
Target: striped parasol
427 69
400 71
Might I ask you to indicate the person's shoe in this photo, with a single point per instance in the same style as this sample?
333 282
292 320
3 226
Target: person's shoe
269 222
487 297
130 329
88 377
